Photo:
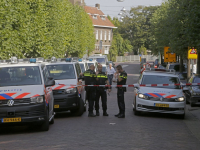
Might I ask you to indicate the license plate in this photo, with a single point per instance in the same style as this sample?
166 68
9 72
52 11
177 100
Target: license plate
11 120
161 105
56 106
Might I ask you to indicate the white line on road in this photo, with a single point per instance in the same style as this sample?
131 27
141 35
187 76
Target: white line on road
124 66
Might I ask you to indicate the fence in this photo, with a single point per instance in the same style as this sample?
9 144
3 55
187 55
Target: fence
135 58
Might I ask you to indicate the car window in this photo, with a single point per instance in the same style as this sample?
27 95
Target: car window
157 79
82 67
196 80
45 75
16 76
101 60
62 71
171 67
78 70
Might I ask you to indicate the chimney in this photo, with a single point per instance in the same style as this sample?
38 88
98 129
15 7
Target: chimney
97 6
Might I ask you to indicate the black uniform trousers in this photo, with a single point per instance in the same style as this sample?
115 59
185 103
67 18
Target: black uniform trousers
101 92
120 100
91 98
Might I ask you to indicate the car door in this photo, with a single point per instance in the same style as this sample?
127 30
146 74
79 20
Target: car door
81 89
48 91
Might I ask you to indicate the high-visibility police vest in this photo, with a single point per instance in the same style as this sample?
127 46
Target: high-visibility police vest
123 76
90 78
102 78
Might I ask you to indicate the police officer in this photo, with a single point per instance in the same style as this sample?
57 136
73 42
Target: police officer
90 79
102 79
121 80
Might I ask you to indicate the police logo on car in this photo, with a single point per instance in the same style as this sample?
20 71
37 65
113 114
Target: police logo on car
10 102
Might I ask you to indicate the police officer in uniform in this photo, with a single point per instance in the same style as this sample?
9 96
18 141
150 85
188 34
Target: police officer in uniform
102 79
121 80
90 79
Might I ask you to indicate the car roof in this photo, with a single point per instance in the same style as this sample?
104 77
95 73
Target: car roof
160 73
59 63
20 64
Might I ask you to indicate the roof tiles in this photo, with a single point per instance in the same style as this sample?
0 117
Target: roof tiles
98 21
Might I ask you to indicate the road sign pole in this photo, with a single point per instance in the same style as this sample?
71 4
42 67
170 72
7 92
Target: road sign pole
188 67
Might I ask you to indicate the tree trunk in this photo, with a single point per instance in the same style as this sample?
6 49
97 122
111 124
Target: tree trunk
198 63
188 69
181 64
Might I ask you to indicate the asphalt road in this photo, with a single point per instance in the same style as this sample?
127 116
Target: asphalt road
148 131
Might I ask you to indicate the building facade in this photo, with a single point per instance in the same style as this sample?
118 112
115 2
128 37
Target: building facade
103 29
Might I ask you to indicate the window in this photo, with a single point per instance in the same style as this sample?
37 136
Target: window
106 50
16 76
45 75
103 17
62 71
78 70
109 35
95 16
156 79
105 36
101 35
97 35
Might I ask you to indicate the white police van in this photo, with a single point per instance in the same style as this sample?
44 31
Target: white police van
83 64
159 91
25 93
67 95
92 62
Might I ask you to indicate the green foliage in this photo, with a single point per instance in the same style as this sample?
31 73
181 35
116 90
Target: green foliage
41 28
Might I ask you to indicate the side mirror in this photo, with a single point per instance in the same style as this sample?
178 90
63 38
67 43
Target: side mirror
50 82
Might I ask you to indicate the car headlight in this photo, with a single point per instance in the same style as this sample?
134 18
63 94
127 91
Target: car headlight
143 96
38 99
180 99
71 90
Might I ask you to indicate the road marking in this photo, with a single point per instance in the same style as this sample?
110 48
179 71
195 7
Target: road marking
124 66
112 123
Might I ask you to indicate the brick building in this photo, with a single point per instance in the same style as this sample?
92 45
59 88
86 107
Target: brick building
103 27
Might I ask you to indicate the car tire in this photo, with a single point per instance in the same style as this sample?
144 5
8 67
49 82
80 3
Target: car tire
45 125
80 110
137 113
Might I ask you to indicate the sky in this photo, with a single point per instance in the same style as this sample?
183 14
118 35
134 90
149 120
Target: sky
113 7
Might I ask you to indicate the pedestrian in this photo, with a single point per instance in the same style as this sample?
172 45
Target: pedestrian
90 79
121 80
102 79
110 72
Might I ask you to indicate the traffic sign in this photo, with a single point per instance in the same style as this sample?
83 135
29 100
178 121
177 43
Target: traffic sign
140 55
192 54
168 56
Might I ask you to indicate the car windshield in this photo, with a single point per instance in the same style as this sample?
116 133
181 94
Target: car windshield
82 67
196 80
156 79
171 66
17 76
62 71
104 69
183 76
89 64
101 60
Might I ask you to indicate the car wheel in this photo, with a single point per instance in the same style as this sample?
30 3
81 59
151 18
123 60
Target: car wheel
45 125
137 113
80 110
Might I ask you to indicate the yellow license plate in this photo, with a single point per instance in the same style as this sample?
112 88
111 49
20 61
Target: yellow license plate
162 105
11 120
56 106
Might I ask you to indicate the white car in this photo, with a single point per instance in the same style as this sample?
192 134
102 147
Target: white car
152 96
92 62
26 95
83 64
67 96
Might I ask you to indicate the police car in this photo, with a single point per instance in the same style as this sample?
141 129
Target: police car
67 95
93 62
83 64
152 96
25 93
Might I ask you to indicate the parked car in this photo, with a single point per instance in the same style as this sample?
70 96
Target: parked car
176 66
192 92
